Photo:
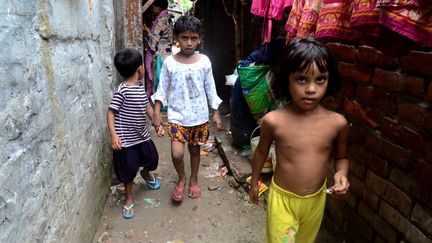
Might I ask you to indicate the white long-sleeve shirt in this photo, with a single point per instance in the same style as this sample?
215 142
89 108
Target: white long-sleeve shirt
187 90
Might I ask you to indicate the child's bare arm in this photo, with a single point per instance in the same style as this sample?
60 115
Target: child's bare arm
115 139
341 162
260 155
156 120
151 113
217 122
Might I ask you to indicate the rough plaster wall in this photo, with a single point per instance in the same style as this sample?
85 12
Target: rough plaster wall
55 77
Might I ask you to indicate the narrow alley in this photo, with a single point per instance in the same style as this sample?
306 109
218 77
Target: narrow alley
222 213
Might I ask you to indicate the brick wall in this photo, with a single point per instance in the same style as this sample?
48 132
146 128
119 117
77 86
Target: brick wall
388 100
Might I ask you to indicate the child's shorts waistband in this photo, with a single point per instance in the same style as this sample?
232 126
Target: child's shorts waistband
284 192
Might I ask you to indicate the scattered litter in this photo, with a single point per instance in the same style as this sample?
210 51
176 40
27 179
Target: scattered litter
223 172
204 153
208 147
262 187
153 203
213 187
175 241
211 171
194 208
233 183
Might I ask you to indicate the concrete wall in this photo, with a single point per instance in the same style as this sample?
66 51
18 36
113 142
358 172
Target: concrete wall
56 79
388 99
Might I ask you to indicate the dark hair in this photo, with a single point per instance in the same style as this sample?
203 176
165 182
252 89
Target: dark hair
188 23
127 61
298 55
163 4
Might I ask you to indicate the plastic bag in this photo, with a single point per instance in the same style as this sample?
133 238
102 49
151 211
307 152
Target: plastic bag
254 81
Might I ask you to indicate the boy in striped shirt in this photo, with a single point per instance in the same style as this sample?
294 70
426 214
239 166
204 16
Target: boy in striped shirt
127 125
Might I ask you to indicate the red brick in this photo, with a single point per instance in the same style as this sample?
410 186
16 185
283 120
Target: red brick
388 151
356 186
413 85
356 110
417 62
422 217
412 139
357 134
357 168
347 89
385 100
365 95
402 179
337 209
376 183
371 56
398 199
428 120
428 151
388 80
379 166
377 223
429 93
423 171
351 72
342 52
366 55
333 103
371 198
410 232
391 129
412 112
422 192
357 228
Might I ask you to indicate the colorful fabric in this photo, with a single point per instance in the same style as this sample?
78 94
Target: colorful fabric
411 19
159 43
334 19
294 218
188 90
272 9
303 18
196 135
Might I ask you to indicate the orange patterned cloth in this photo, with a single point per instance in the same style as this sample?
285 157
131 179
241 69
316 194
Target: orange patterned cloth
357 20
196 135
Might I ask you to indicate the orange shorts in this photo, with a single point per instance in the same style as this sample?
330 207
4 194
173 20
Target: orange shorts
196 135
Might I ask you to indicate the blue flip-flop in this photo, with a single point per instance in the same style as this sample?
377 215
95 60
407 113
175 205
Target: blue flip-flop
154 184
127 211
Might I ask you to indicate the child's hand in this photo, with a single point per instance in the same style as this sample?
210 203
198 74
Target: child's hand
341 184
160 131
116 142
217 122
253 194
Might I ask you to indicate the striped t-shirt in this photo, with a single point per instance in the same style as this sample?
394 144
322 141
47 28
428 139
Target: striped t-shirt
130 106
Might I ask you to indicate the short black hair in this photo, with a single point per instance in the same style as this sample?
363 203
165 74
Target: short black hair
297 55
188 23
127 61
163 4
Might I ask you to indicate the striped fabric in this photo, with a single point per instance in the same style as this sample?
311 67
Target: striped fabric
130 104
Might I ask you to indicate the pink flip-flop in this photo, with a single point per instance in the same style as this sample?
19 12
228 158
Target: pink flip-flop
178 193
195 191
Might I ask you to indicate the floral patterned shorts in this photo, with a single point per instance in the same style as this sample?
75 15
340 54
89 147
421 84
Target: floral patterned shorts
196 135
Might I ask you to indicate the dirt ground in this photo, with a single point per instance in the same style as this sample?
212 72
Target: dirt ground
221 214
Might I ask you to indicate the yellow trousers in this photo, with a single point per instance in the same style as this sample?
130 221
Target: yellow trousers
292 218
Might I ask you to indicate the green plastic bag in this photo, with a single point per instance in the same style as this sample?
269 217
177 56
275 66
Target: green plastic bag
255 86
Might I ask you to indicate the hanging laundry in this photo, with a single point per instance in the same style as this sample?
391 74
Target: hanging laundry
303 18
412 19
272 9
334 20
